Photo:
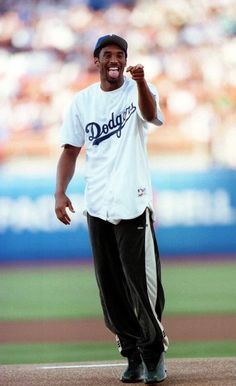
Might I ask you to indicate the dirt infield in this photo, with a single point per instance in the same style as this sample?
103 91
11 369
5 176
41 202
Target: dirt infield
179 328
196 372
188 372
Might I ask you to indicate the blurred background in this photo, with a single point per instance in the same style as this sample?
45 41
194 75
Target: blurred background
188 50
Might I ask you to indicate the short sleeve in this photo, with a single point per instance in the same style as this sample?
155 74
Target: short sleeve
71 131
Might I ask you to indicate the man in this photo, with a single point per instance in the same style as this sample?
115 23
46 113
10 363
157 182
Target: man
110 118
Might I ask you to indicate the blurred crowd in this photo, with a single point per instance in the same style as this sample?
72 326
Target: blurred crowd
187 47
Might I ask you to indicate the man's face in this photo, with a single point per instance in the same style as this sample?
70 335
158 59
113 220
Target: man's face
111 64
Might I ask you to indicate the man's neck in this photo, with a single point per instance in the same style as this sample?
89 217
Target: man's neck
111 86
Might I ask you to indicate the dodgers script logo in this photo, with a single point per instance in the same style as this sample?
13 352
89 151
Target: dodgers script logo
98 133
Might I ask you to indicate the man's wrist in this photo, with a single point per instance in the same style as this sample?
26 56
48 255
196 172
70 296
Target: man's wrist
141 81
59 193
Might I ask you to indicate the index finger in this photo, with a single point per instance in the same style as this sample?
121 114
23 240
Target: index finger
128 69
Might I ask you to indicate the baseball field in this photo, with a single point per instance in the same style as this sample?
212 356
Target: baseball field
51 315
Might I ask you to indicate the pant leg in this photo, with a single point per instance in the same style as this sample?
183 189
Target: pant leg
140 260
115 295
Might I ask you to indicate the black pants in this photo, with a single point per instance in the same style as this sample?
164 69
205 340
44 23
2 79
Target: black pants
128 274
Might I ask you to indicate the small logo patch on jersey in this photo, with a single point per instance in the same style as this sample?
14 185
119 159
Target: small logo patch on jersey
141 192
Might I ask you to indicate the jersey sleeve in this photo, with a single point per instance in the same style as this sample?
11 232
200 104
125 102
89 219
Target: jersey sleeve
71 131
159 119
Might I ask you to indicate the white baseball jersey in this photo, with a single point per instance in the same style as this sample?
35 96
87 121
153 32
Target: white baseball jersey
111 126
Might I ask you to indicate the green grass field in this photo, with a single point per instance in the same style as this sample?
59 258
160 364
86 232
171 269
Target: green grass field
57 353
46 293
71 292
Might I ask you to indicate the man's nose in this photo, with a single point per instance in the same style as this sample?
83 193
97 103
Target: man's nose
114 59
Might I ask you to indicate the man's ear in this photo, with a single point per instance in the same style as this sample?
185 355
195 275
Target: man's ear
96 61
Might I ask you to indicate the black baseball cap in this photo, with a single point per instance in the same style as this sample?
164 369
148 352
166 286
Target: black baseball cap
104 41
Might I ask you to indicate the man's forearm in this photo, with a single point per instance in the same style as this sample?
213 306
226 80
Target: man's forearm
65 169
65 172
146 101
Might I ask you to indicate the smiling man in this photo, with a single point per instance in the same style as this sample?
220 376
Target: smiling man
110 118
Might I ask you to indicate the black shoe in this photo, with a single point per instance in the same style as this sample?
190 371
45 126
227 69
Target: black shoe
155 373
134 371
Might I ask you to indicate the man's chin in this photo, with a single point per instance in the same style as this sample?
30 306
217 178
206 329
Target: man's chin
119 80
113 80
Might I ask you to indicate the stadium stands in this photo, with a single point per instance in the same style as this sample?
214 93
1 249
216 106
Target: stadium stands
187 47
